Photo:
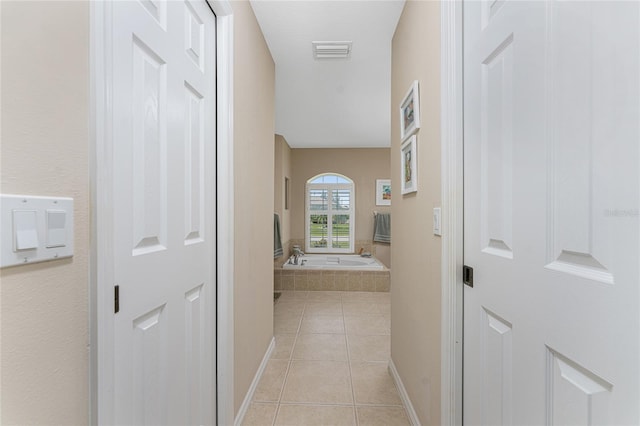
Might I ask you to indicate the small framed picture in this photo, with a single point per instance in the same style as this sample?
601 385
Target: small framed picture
408 166
410 112
383 192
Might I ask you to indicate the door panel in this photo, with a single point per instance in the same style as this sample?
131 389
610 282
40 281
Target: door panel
576 396
194 165
149 143
496 159
164 212
149 363
497 364
195 345
552 193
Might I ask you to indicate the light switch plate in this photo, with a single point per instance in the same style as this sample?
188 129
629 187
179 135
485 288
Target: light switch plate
437 221
35 229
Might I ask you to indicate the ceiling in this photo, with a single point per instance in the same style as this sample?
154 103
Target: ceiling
331 103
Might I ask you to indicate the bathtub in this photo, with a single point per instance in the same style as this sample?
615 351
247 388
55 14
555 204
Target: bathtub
351 262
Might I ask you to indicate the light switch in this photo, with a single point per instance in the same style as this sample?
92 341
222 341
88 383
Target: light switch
437 224
35 229
56 232
25 230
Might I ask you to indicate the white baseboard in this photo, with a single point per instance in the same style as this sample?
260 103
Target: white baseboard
254 384
413 417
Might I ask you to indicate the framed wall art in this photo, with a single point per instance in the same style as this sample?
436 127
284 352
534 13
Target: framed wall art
408 166
410 112
383 192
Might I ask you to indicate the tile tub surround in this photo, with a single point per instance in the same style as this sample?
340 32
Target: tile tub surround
329 280
329 365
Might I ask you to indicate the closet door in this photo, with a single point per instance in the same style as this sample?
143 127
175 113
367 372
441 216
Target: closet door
552 189
164 103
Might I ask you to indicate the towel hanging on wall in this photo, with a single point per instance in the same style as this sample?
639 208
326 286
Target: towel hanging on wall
382 228
277 241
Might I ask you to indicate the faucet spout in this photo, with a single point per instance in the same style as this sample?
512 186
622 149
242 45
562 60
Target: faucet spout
297 253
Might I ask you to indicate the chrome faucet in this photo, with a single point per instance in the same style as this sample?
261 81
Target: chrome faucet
297 254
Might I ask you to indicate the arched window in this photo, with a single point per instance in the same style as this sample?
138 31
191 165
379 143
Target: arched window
330 214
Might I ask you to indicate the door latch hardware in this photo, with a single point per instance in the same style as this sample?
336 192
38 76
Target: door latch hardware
467 275
116 299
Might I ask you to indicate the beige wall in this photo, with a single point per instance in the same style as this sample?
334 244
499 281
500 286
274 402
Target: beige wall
45 140
362 165
282 170
254 111
416 252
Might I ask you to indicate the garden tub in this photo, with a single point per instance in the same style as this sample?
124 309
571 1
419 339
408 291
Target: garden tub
349 262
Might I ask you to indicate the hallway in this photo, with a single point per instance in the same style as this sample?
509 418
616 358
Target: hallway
330 363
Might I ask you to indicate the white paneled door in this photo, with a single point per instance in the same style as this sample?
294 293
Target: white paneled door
164 104
551 208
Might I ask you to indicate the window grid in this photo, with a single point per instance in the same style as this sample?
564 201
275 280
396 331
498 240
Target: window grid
330 212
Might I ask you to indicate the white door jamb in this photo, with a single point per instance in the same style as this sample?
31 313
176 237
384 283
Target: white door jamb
225 212
101 257
452 211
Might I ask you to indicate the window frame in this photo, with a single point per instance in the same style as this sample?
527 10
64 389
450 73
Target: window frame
330 187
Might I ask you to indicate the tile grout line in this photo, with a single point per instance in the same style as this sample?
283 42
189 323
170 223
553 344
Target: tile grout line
293 347
324 404
353 391
289 361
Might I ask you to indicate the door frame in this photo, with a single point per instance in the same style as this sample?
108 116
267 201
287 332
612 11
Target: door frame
101 327
452 176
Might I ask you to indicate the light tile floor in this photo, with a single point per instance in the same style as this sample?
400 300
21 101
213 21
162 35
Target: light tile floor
329 366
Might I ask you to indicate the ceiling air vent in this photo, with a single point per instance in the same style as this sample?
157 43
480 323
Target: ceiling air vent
331 49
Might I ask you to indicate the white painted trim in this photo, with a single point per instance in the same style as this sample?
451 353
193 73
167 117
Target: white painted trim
254 384
452 212
96 126
101 266
225 213
404 396
90 125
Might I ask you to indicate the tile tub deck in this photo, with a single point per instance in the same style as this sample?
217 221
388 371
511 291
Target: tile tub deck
330 280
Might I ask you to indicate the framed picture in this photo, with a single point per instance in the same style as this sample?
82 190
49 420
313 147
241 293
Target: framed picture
410 112
383 192
408 166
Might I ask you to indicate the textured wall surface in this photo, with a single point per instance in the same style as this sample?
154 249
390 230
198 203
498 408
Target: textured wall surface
416 252
45 139
254 118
